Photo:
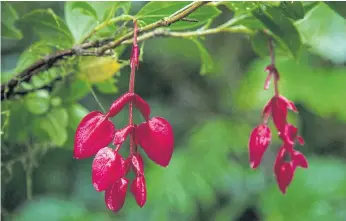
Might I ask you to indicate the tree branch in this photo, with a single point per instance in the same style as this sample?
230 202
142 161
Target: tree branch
103 47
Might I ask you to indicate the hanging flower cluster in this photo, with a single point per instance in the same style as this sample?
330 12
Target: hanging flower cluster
260 138
109 169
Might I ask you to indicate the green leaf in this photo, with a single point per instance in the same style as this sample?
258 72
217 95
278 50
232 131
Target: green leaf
108 86
309 5
85 8
241 7
259 43
292 9
76 112
338 7
155 11
49 27
37 102
281 27
207 64
33 53
73 91
8 31
8 17
55 123
325 32
79 23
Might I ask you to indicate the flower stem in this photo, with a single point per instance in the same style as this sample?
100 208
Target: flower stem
272 61
132 87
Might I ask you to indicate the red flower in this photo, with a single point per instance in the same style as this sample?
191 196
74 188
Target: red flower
157 140
94 132
115 195
258 143
139 190
107 167
277 107
283 171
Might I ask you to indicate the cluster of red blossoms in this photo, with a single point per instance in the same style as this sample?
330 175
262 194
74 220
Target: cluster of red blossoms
260 137
109 169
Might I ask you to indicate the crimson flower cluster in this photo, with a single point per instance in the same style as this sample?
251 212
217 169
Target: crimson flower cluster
109 169
260 137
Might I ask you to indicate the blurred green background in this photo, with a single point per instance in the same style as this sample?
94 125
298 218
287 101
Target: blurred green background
212 116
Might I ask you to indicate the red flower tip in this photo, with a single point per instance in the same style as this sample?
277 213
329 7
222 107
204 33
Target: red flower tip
267 81
142 106
107 168
291 134
284 175
259 140
299 160
157 140
120 135
116 194
139 190
300 140
137 163
94 132
284 171
289 104
120 103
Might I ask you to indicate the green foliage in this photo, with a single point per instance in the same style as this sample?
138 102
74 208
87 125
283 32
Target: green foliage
37 102
49 27
55 124
85 8
155 11
282 28
8 17
324 31
293 9
338 7
207 64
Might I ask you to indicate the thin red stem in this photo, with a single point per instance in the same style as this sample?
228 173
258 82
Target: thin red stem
132 90
272 61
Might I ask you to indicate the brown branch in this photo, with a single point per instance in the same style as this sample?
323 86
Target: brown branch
102 48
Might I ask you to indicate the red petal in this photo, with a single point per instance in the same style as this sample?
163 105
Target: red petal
289 135
258 143
116 194
157 140
267 108
139 190
142 106
137 163
299 159
107 168
300 140
279 113
120 103
284 176
289 104
94 132
120 135
279 158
